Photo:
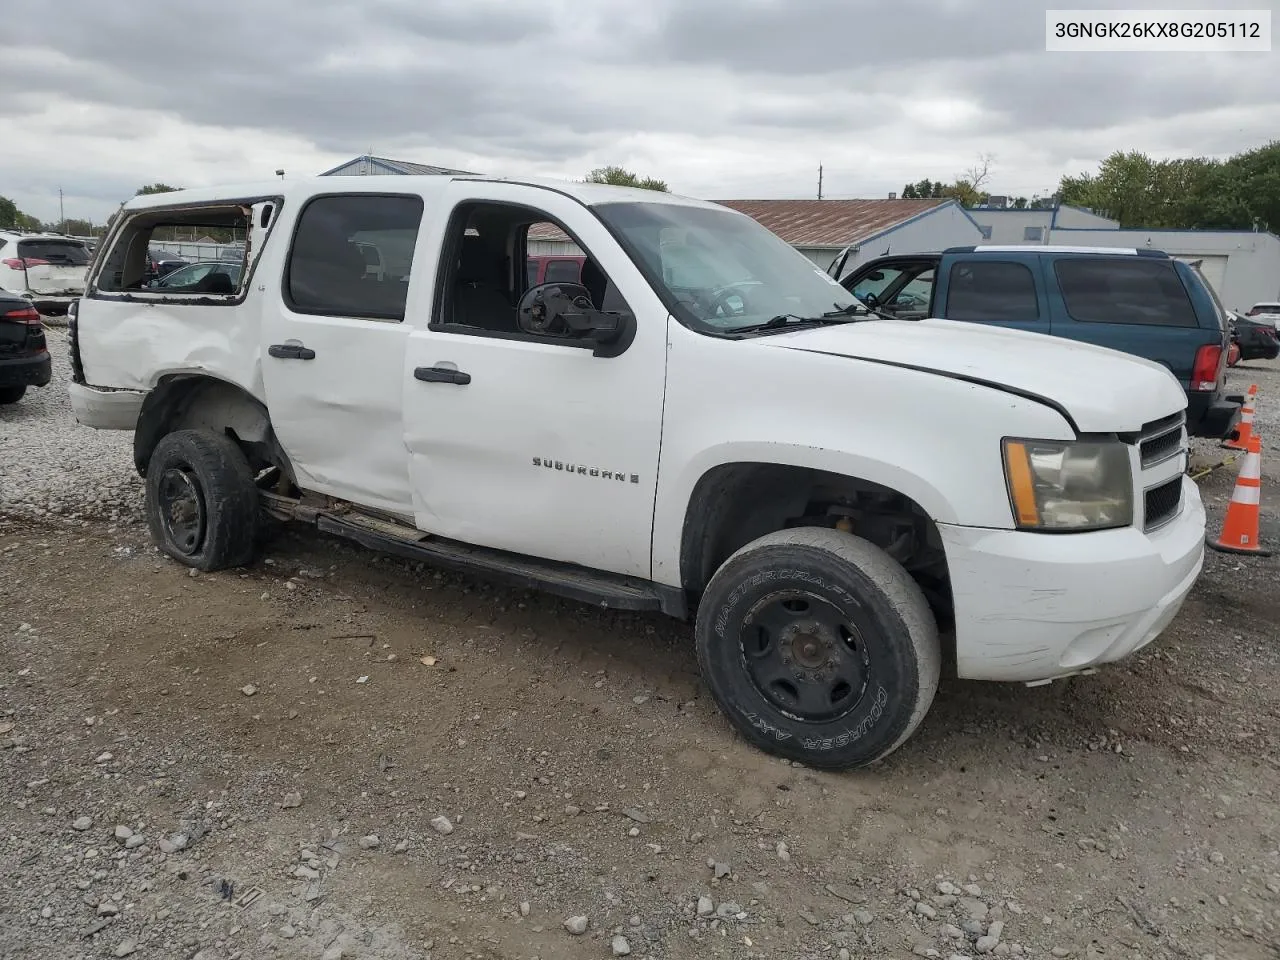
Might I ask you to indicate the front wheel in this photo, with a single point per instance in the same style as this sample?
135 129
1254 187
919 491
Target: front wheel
819 647
202 504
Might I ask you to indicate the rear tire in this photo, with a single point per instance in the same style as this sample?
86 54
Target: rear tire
202 504
11 394
819 647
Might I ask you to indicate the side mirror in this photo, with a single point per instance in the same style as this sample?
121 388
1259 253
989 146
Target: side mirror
565 310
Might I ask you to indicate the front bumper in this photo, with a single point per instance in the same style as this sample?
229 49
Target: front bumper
1035 606
32 370
1212 415
1260 350
105 409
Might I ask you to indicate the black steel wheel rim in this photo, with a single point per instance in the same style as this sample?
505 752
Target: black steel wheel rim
805 656
182 510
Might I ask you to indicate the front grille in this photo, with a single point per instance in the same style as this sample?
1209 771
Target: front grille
1162 503
1161 440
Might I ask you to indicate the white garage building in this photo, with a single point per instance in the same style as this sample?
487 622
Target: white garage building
1242 265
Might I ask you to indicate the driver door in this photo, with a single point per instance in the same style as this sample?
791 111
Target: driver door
525 442
899 288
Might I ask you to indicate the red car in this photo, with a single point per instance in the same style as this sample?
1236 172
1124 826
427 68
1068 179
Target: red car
552 269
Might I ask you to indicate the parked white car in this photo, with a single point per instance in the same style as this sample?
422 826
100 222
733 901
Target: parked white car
46 269
1268 311
707 425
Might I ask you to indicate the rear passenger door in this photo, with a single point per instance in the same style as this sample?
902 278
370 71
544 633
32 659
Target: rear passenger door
1135 304
333 347
1005 292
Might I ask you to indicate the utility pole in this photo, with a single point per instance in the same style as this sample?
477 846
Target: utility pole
819 181
62 214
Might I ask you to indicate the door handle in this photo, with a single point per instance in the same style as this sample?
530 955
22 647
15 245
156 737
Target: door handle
290 351
441 375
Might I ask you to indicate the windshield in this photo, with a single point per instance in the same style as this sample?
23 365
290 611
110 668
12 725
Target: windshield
719 271
191 275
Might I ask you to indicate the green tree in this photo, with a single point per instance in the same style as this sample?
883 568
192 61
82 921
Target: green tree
966 188
151 188
11 218
1240 193
79 228
621 177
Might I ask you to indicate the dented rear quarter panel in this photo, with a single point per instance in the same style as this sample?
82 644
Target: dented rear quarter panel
134 343
134 339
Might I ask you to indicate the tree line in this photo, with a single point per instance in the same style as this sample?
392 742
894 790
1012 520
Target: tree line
11 218
1239 193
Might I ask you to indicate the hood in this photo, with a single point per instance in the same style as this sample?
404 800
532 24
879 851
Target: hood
1103 390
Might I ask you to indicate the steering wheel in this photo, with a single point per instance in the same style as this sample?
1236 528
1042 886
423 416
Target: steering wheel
722 305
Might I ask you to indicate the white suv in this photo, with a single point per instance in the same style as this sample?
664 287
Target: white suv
844 503
47 269
1266 312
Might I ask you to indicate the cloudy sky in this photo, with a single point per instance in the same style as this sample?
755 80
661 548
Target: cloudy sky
722 99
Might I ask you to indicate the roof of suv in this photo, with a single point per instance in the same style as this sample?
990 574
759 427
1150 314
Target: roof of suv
303 187
1050 248
17 235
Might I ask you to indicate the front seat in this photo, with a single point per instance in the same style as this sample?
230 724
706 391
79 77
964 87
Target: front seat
217 283
479 298
594 279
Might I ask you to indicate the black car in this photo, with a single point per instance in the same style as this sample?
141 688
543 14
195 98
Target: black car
1256 339
24 357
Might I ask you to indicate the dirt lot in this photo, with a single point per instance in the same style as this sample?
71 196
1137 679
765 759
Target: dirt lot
172 745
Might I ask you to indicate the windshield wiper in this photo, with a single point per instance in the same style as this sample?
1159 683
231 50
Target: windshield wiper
791 319
852 310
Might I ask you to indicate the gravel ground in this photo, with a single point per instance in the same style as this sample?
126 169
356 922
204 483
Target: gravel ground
336 754
52 466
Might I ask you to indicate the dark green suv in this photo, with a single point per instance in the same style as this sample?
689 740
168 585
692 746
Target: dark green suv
1142 302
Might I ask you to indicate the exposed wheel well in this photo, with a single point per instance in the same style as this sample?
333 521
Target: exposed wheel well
194 402
735 503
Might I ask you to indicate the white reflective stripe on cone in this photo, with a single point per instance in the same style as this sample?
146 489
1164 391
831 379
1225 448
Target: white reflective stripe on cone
1250 495
1251 468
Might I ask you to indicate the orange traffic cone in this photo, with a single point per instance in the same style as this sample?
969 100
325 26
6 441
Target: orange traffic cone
1240 528
1245 430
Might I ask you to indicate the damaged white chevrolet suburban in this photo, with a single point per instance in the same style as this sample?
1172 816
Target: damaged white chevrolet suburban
706 425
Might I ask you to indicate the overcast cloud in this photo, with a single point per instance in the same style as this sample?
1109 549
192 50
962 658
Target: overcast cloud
722 99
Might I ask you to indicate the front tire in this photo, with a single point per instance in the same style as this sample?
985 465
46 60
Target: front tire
202 504
11 394
819 647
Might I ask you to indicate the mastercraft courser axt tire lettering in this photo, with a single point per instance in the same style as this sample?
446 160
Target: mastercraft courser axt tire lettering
202 504
819 647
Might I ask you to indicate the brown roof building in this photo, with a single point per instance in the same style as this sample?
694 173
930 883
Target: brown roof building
822 229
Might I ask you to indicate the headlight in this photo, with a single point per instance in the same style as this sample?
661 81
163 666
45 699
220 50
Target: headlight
1065 485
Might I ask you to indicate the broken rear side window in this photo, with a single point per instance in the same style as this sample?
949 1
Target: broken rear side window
215 236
